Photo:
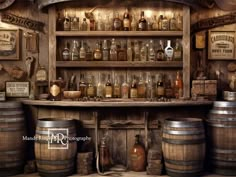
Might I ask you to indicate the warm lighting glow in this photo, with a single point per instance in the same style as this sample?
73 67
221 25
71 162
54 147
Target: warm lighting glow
148 13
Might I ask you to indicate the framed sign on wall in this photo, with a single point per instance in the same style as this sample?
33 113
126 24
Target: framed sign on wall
221 45
17 89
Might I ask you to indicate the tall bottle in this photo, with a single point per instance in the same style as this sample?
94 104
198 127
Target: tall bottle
160 87
133 24
169 51
116 88
66 52
100 87
97 54
105 51
130 52
142 24
66 23
125 89
92 24
160 20
179 22
160 51
60 21
141 87
84 25
134 89
82 86
90 87
155 23
82 51
104 155
121 54
117 23
177 51
138 156
136 51
126 21
151 53
150 87
178 86
165 24
100 24
143 52
108 25
74 51
108 87
113 50
173 23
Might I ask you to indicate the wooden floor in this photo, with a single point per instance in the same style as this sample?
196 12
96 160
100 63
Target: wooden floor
126 174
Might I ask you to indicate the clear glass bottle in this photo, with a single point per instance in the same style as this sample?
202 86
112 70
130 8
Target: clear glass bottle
100 86
141 90
108 87
66 52
126 21
66 23
125 89
165 24
151 53
142 24
97 54
177 51
117 23
74 24
136 51
105 51
100 24
169 51
107 24
160 20
84 25
82 51
150 87
74 51
116 88
90 87
130 51
82 86
113 50
134 89
173 23
155 23
143 52
160 51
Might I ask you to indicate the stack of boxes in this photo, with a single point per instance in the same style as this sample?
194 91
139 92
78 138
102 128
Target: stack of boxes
84 163
154 161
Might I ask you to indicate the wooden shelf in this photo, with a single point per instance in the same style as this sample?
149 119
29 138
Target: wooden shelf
119 33
119 64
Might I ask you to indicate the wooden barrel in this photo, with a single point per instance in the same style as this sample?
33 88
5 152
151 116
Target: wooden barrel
12 130
221 132
183 146
55 147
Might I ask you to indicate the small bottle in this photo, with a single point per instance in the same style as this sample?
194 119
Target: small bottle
92 24
160 21
100 24
130 52
97 54
108 88
160 51
155 23
178 86
134 89
173 23
84 25
143 52
138 156
136 51
169 51
121 56
74 24
177 51
105 51
151 53
179 22
90 87
142 24
83 86
66 52
74 51
116 88
126 21
113 50
160 87
117 23
82 51
165 24
125 89
141 87
66 24
100 87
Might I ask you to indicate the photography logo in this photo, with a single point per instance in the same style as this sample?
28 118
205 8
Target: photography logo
58 138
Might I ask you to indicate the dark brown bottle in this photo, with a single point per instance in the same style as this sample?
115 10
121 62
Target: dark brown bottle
104 155
142 24
126 21
83 86
138 156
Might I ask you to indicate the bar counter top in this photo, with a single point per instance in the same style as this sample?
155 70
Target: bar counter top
116 103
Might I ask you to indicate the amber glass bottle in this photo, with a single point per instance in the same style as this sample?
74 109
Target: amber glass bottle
104 156
138 156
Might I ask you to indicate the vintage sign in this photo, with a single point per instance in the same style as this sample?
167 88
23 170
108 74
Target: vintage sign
2 96
17 89
221 45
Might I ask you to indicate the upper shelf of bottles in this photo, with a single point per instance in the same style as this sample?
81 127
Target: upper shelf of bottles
120 33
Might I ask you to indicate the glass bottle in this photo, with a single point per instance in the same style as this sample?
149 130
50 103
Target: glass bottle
82 51
177 51
117 23
141 87
160 51
125 89
100 24
100 87
84 25
165 24
134 89
173 23
89 54
151 53
113 50
160 20
155 23
55 91
179 22
90 87
72 86
97 54
168 88
178 86
142 24
138 156
107 24
150 87
74 24
66 52
130 52
136 51
169 51
126 20
108 88
121 56
143 52
160 87
92 24
82 86
133 24
116 88
60 20
74 51
104 155
105 51
66 23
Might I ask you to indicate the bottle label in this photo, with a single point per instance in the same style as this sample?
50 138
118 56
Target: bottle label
151 57
97 55
82 54
116 91
125 92
117 24
133 93
66 55
74 56
141 91
55 90
177 55
91 91
160 55
108 91
126 23
41 75
142 26
169 53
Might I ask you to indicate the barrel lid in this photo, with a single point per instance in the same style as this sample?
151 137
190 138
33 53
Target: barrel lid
224 103
183 122
51 122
